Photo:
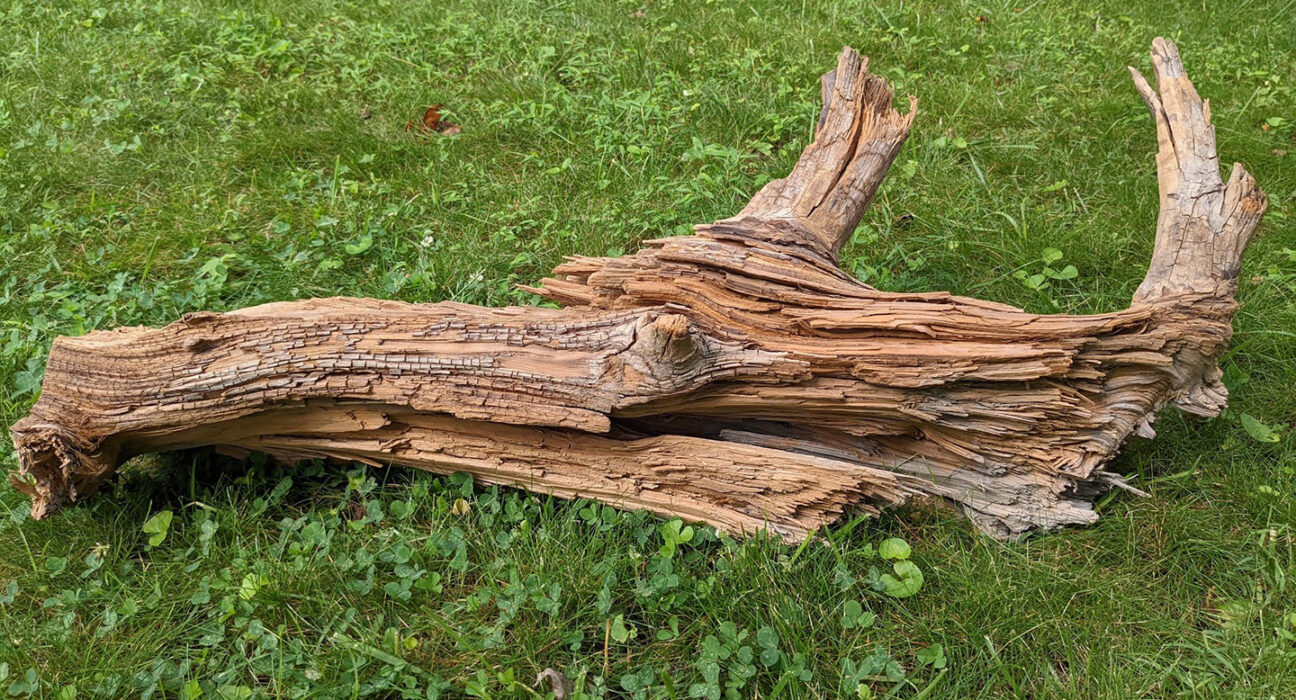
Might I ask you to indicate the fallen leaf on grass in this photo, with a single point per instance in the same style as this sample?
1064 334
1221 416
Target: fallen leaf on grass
354 511
432 123
558 682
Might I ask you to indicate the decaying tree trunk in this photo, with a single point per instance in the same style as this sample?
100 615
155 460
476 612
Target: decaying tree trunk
735 377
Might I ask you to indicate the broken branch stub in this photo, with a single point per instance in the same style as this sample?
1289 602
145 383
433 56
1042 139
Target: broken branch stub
735 377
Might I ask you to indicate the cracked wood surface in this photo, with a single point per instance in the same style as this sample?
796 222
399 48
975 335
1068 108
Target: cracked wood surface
735 377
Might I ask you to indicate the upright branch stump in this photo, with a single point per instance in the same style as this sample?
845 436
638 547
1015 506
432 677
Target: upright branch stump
735 377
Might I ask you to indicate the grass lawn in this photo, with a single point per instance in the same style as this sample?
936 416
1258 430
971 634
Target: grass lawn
160 157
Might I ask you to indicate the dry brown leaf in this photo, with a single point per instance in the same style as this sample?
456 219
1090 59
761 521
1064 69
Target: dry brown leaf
432 123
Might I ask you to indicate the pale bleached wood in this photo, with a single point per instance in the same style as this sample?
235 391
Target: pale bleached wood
1205 223
735 377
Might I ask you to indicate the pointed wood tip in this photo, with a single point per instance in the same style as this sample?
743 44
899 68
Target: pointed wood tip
1166 56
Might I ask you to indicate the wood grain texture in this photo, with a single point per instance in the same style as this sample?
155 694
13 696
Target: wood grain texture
735 377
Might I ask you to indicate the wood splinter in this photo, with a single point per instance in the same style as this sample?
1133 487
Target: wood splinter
735 377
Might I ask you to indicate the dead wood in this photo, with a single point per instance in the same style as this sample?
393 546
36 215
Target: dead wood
735 377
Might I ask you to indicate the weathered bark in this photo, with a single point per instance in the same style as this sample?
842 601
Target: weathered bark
735 377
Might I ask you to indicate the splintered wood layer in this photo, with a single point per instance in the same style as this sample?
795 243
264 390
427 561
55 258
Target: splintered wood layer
1074 384
736 487
528 366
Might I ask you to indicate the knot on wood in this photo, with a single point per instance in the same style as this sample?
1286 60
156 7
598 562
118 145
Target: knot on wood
668 341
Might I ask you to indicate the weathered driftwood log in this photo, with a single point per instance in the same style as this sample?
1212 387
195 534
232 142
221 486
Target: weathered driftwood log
735 377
